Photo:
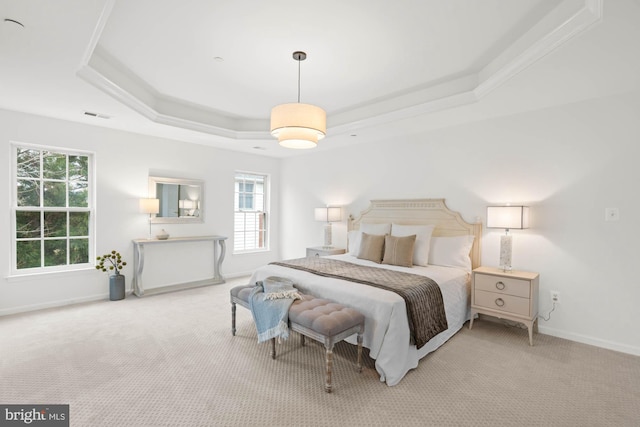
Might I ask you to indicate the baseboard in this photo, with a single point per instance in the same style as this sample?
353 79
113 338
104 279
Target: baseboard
585 339
91 298
246 274
53 304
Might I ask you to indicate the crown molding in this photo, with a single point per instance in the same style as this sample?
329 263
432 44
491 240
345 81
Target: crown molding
569 19
554 30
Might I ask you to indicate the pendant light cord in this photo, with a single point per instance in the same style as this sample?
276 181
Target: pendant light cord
299 80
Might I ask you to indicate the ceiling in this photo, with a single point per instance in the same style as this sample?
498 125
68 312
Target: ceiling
209 72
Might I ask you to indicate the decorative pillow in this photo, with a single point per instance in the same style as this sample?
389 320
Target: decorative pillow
423 239
354 235
371 246
353 242
279 288
451 251
399 250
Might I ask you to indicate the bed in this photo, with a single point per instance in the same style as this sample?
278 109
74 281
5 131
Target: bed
453 247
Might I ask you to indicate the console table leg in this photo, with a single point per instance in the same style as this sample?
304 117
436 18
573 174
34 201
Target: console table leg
138 266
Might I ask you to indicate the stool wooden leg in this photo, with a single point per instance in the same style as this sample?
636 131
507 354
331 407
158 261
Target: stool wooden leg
329 357
233 319
359 364
273 348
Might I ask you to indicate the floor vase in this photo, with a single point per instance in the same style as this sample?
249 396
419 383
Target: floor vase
116 287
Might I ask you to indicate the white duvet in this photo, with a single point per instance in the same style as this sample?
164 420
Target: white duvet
386 328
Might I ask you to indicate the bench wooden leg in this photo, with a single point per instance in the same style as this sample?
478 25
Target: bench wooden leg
359 363
329 358
233 319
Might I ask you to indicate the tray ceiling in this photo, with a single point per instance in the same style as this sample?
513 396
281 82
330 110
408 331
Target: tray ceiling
210 71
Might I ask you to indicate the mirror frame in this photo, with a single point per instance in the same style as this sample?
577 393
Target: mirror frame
154 180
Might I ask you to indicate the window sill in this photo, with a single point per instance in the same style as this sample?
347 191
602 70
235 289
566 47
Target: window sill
22 277
252 251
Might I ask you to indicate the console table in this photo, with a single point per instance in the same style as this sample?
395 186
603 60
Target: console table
219 249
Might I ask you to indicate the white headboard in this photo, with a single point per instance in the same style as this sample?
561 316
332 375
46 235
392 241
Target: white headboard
421 212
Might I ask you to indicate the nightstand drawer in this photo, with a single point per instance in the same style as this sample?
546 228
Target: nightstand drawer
323 251
502 302
503 285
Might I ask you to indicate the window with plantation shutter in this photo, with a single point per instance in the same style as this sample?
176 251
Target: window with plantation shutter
250 212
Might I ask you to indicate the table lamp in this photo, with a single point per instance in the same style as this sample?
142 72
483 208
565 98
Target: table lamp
151 207
507 217
328 215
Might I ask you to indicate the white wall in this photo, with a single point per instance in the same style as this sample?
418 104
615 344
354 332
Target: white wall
569 163
123 163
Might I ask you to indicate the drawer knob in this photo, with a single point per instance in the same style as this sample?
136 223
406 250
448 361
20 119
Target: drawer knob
500 285
499 302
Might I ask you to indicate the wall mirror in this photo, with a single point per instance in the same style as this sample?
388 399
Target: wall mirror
181 200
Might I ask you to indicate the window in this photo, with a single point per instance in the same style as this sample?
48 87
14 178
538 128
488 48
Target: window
52 209
250 206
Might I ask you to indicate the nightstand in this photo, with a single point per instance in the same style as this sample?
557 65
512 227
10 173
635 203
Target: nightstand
323 251
511 295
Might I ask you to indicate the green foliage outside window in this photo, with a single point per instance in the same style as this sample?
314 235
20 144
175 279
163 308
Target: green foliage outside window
52 208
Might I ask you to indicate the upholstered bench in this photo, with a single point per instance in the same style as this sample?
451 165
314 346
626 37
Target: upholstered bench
320 319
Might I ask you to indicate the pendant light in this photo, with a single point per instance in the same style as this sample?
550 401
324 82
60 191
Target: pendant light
298 125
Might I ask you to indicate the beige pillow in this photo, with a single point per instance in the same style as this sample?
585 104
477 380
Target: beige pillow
371 247
423 238
399 250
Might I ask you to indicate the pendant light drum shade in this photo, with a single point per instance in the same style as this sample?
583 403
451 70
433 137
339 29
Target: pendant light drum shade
298 125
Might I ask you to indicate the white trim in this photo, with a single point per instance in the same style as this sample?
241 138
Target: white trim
53 304
539 42
586 339
25 275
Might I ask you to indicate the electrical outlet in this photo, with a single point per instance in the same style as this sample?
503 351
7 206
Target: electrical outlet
555 297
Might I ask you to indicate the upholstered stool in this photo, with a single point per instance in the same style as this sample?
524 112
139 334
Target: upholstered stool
319 319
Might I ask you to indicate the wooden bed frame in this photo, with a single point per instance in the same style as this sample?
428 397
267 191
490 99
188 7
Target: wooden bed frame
421 212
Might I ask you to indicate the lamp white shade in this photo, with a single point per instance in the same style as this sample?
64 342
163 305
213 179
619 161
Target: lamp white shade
150 206
508 217
298 125
328 214
186 204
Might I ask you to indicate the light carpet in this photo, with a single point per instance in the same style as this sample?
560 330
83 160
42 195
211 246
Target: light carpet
170 360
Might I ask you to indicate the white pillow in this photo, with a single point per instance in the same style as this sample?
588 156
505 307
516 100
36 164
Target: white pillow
423 238
451 251
353 242
353 237
379 229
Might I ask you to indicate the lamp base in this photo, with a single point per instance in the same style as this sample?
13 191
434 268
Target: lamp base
327 235
505 253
